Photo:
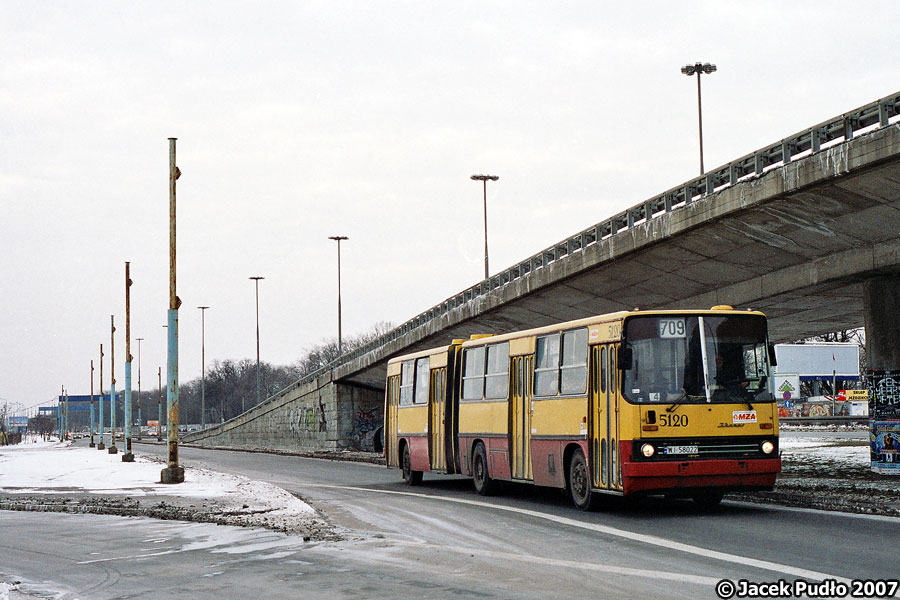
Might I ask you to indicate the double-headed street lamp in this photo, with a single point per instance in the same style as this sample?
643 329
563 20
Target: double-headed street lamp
258 378
338 239
484 179
691 70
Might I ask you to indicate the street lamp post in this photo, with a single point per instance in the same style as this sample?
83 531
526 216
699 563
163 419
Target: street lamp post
159 406
100 444
203 366
140 418
173 473
689 70
112 386
129 455
92 444
338 239
484 179
258 378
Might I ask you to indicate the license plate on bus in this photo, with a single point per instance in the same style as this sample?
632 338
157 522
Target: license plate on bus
682 449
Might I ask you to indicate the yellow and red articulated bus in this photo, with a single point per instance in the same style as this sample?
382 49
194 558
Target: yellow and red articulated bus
630 403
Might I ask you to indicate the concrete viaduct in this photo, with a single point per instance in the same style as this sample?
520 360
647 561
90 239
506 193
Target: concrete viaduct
806 230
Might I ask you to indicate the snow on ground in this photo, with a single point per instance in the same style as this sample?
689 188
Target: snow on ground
53 473
849 450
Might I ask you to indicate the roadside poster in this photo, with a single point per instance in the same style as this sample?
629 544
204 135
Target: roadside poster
884 424
885 447
884 395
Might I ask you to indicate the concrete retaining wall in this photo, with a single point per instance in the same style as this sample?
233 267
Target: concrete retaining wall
319 415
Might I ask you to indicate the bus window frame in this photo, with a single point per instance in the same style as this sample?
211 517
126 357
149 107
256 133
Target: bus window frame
411 386
559 365
504 374
417 385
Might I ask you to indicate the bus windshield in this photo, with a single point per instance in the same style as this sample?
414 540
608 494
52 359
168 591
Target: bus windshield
686 358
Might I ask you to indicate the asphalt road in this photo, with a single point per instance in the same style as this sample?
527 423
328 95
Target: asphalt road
440 540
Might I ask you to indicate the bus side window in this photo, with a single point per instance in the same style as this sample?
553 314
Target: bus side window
421 390
473 373
406 383
603 369
546 371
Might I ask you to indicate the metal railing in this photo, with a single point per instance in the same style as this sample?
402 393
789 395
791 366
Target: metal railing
870 117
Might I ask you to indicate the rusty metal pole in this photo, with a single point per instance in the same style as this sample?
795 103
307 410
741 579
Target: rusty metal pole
128 456
112 386
100 445
93 421
172 473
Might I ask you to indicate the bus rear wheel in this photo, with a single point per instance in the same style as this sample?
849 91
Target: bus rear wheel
580 483
484 485
409 476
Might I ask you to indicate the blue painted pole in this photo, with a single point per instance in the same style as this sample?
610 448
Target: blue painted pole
93 422
128 456
112 386
173 473
100 444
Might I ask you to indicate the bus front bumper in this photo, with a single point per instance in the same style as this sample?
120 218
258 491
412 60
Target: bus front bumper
645 476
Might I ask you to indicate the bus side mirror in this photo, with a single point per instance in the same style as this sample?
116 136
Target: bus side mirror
625 358
772 360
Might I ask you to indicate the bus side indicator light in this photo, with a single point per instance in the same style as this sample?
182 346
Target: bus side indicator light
650 427
766 426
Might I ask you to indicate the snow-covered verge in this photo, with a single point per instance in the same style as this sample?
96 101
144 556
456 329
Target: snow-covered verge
829 468
51 476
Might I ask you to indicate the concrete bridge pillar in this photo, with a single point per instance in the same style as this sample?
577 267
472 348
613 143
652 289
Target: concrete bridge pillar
881 307
882 312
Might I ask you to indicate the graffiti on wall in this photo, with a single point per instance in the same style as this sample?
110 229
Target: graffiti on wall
308 419
365 429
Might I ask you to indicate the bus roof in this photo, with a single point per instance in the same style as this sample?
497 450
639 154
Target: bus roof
607 318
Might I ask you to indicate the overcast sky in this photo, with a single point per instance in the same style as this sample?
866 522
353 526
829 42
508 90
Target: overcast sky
300 120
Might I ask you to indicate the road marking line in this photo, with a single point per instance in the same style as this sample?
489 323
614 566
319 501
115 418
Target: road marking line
569 564
621 533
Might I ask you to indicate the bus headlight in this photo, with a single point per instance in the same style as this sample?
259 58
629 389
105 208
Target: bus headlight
648 450
767 447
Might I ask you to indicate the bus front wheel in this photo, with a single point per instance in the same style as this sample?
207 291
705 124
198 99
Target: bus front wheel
409 476
484 485
580 483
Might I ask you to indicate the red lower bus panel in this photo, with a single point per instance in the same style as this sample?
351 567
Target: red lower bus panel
498 457
547 463
418 453
726 473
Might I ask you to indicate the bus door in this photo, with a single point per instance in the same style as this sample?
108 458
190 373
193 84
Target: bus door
520 419
597 412
392 399
612 419
436 432
604 419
